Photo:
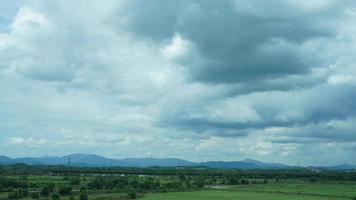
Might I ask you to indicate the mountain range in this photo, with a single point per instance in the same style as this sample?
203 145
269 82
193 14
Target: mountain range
92 160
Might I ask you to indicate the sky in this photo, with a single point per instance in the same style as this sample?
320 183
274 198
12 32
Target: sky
199 80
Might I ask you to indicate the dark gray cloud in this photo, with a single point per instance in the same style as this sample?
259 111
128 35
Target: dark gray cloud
239 41
342 131
268 109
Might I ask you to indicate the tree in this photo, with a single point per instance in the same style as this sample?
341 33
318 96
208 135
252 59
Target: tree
131 194
96 184
200 182
182 177
83 196
24 192
51 187
244 181
233 180
35 195
55 196
65 191
313 180
45 191
83 189
188 183
14 195
75 180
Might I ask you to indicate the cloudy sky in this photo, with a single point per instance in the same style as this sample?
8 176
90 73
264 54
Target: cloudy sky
200 80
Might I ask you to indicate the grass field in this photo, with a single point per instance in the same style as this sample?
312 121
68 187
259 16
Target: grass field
235 195
290 191
271 191
320 189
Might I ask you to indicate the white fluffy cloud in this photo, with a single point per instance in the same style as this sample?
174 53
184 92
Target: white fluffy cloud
197 80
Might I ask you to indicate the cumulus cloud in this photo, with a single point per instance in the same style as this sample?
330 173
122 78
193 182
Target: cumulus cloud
226 79
27 141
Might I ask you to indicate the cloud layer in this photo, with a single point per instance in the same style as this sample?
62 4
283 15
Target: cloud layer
200 80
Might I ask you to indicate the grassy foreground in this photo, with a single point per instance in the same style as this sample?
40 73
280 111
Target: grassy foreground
286 191
316 189
234 195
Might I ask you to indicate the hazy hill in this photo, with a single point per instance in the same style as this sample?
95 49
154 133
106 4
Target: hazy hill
97 161
245 164
92 160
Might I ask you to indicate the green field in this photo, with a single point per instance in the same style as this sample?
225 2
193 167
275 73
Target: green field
285 191
271 191
319 189
234 195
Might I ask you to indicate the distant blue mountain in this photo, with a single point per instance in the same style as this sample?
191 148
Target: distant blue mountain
5 160
342 167
245 164
92 160
149 162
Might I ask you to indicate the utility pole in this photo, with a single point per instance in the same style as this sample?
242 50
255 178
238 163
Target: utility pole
69 161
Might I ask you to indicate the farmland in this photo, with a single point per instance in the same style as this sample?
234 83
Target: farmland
59 182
